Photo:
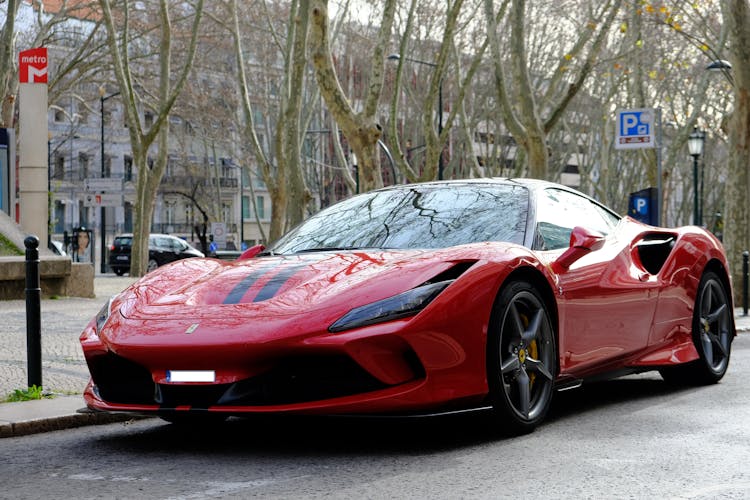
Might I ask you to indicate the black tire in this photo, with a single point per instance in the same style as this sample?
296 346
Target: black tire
712 336
119 272
521 357
152 264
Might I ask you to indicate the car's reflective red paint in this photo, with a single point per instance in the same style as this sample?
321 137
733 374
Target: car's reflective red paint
610 313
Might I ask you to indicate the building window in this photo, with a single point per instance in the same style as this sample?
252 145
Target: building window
128 222
83 164
245 207
260 207
59 173
107 166
59 116
83 214
59 222
128 168
225 212
107 116
148 119
170 213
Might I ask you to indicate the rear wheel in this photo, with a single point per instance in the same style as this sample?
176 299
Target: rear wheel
712 336
152 264
119 271
521 357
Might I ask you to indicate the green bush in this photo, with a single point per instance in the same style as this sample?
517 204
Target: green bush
33 392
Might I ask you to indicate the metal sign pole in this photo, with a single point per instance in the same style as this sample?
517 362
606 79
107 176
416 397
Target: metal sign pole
658 168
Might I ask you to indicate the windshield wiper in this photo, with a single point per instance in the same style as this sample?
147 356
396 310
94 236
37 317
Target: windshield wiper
326 249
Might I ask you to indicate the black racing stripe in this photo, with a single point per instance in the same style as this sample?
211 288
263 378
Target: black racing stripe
274 284
243 286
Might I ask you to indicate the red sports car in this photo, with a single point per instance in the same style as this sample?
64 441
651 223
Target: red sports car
419 298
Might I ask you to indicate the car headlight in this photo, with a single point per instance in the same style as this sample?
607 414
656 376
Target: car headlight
402 305
103 315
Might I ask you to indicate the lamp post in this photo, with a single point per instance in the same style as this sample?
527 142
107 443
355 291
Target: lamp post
103 265
396 57
242 208
356 172
695 147
242 203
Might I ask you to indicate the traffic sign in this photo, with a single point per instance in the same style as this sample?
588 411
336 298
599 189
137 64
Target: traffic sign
102 200
635 129
106 184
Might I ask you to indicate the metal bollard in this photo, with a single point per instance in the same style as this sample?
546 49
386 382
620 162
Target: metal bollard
745 279
33 312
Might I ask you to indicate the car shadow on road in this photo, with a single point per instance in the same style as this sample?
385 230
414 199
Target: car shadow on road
312 435
600 395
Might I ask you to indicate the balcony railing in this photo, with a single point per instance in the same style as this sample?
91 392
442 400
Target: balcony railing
186 181
183 228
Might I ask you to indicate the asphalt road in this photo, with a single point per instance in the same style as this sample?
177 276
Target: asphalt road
634 437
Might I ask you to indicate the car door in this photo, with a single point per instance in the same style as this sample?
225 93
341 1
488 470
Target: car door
606 306
159 249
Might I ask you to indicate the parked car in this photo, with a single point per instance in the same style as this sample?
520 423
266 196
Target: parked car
162 249
420 298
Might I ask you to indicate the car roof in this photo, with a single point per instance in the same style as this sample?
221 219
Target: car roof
130 235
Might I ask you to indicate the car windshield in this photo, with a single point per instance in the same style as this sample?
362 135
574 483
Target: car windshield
411 217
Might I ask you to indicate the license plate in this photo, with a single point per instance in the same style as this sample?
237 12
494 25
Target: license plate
122 257
191 376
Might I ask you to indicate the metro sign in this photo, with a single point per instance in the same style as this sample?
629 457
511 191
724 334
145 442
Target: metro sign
32 65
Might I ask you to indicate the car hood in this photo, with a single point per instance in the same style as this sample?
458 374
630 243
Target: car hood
280 285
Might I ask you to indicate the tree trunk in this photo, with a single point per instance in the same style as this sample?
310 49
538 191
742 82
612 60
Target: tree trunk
737 216
362 130
8 77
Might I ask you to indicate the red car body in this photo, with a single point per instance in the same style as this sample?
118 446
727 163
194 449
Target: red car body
264 327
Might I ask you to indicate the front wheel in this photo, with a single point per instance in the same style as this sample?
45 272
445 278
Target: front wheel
712 336
521 357
152 264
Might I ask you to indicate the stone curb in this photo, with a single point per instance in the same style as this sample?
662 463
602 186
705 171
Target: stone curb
36 426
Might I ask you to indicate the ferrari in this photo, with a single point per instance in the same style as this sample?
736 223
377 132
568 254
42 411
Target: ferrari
419 299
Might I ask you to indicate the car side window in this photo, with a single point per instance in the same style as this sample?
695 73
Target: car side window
558 212
161 243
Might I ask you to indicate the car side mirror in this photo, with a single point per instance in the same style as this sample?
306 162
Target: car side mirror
582 241
251 252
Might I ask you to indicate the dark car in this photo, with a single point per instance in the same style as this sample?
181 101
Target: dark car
162 249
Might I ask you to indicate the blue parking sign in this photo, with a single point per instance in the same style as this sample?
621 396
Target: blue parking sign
635 129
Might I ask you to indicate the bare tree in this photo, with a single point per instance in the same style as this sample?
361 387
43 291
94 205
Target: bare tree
136 96
8 71
531 111
81 50
736 13
361 128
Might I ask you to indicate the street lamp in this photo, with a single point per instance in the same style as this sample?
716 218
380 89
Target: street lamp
724 67
695 147
102 98
242 207
239 169
356 172
396 57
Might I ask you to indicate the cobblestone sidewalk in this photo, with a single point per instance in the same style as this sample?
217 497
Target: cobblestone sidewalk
64 370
